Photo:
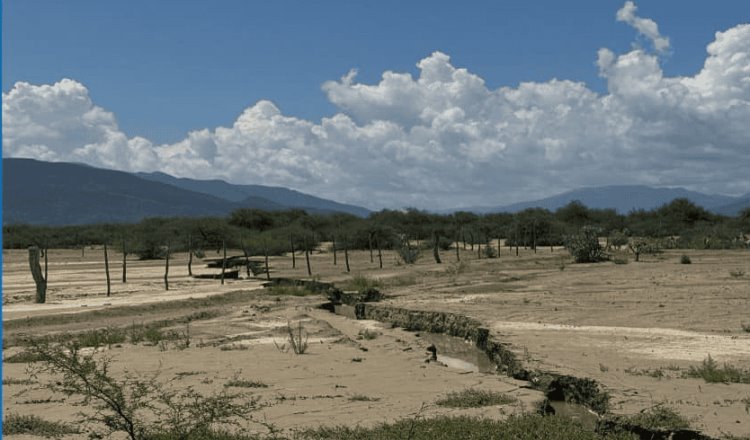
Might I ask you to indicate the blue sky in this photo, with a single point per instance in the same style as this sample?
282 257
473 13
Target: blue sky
151 72
167 67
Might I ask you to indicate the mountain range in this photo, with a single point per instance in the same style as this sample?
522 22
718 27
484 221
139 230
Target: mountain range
625 198
55 193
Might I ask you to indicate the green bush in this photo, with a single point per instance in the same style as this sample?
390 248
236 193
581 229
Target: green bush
685 260
585 247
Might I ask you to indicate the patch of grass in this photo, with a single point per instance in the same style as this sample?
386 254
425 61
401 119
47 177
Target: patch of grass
524 427
101 337
710 371
745 327
242 383
737 273
685 260
22 357
182 374
361 283
12 381
473 398
456 268
290 290
35 425
363 398
659 417
620 260
400 281
656 373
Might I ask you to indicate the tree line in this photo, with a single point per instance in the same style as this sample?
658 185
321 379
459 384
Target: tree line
679 223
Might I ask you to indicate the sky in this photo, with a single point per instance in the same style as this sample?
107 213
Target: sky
387 104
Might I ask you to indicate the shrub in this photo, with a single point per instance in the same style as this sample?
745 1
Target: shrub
585 247
660 418
297 342
141 408
710 371
35 425
685 260
473 398
360 283
523 427
408 254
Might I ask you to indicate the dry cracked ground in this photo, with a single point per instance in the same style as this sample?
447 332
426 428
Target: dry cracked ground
636 328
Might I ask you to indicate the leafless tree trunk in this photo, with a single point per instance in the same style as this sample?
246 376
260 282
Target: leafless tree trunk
247 257
106 268
307 259
533 235
166 270
124 262
471 237
380 253
335 259
435 251
369 244
294 259
223 261
190 255
458 252
265 253
346 253
36 272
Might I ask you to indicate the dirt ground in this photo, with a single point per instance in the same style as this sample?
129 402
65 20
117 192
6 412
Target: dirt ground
633 327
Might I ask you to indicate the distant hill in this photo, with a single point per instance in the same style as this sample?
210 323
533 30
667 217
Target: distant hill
46 193
735 207
284 197
624 198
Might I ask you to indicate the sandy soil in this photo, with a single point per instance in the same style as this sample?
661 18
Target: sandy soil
614 323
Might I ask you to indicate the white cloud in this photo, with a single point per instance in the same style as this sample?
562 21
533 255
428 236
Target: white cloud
442 139
645 26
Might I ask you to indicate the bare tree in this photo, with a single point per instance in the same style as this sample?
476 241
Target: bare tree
36 272
166 270
294 259
106 268
346 254
435 252
265 253
307 259
223 261
124 262
335 259
190 255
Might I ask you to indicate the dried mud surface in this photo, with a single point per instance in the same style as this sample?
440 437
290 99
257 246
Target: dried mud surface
621 324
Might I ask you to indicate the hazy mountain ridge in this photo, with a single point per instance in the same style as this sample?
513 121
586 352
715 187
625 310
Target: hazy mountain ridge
57 193
625 198
280 196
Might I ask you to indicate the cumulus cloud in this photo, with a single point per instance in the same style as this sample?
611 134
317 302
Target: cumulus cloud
443 138
645 26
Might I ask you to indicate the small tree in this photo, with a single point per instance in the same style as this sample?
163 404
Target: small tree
141 408
585 247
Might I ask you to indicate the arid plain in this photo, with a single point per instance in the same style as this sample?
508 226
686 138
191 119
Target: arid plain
636 328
